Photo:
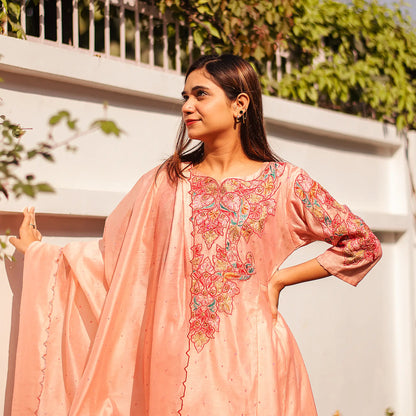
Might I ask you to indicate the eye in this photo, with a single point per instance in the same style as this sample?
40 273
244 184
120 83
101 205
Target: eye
201 93
184 98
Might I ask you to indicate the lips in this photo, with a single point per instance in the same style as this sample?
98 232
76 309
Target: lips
189 122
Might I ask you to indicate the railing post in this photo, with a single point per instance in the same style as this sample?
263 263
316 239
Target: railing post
279 72
91 41
165 44
190 45
269 69
151 41
107 28
150 38
23 14
137 32
41 19
177 49
288 66
75 25
59 22
3 24
122 30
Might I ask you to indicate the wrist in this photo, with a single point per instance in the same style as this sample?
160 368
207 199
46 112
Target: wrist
31 245
278 281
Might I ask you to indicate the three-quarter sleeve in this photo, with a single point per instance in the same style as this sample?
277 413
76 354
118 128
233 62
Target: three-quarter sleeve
318 216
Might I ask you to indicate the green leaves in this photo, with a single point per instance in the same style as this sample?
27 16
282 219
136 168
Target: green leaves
252 29
63 115
369 60
13 152
11 10
29 189
358 57
107 127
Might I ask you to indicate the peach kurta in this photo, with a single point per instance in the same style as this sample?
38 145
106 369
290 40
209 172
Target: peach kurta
168 314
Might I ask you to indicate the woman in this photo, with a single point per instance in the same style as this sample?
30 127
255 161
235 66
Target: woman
174 312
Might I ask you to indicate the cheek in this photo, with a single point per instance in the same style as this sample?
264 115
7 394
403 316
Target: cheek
220 113
225 117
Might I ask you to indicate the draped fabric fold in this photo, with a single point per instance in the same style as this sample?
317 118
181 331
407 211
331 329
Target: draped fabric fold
168 313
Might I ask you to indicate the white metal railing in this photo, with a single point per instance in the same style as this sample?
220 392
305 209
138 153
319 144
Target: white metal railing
125 29
129 30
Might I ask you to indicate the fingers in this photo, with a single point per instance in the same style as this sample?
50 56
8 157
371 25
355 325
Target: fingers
274 288
28 233
18 243
32 218
26 218
273 301
29 219
14 241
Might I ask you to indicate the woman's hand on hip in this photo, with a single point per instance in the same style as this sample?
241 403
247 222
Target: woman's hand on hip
274 287
28 233
304 272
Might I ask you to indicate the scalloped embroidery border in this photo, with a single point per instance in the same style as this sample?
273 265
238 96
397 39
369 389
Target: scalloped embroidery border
45 343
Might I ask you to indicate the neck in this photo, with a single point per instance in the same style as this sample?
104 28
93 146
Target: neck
226 160
221 158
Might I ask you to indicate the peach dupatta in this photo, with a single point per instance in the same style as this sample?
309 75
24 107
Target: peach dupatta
88 332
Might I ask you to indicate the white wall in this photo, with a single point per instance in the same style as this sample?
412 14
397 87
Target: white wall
358 343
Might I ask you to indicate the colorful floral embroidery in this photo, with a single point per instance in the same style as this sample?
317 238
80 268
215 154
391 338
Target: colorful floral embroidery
344 229
221 215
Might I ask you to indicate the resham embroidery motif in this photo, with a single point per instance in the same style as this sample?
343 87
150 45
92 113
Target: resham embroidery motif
344 229
222 214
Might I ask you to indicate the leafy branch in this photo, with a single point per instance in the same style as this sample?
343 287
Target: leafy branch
359 58
13 152
253 29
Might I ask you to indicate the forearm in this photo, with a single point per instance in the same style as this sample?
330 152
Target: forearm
304 272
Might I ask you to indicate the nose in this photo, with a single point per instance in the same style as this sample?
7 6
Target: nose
188 106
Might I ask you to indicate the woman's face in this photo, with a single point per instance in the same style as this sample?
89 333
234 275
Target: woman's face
207 112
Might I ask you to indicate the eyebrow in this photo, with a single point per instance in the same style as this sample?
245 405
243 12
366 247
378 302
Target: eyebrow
197 87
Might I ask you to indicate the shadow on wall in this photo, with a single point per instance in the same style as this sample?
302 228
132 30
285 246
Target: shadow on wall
14 270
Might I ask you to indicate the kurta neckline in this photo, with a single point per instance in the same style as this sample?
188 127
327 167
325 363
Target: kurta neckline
250 177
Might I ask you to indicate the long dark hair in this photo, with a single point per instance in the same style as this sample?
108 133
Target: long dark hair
235 76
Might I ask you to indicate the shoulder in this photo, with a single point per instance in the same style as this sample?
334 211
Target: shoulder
153 182
294 182
292 170
287 172
151 189
154 178
151 175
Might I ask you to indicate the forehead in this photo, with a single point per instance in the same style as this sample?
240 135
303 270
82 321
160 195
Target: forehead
200 77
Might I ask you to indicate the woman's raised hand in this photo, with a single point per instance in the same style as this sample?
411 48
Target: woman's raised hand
28 233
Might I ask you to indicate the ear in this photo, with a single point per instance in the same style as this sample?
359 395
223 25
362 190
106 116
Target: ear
241 104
